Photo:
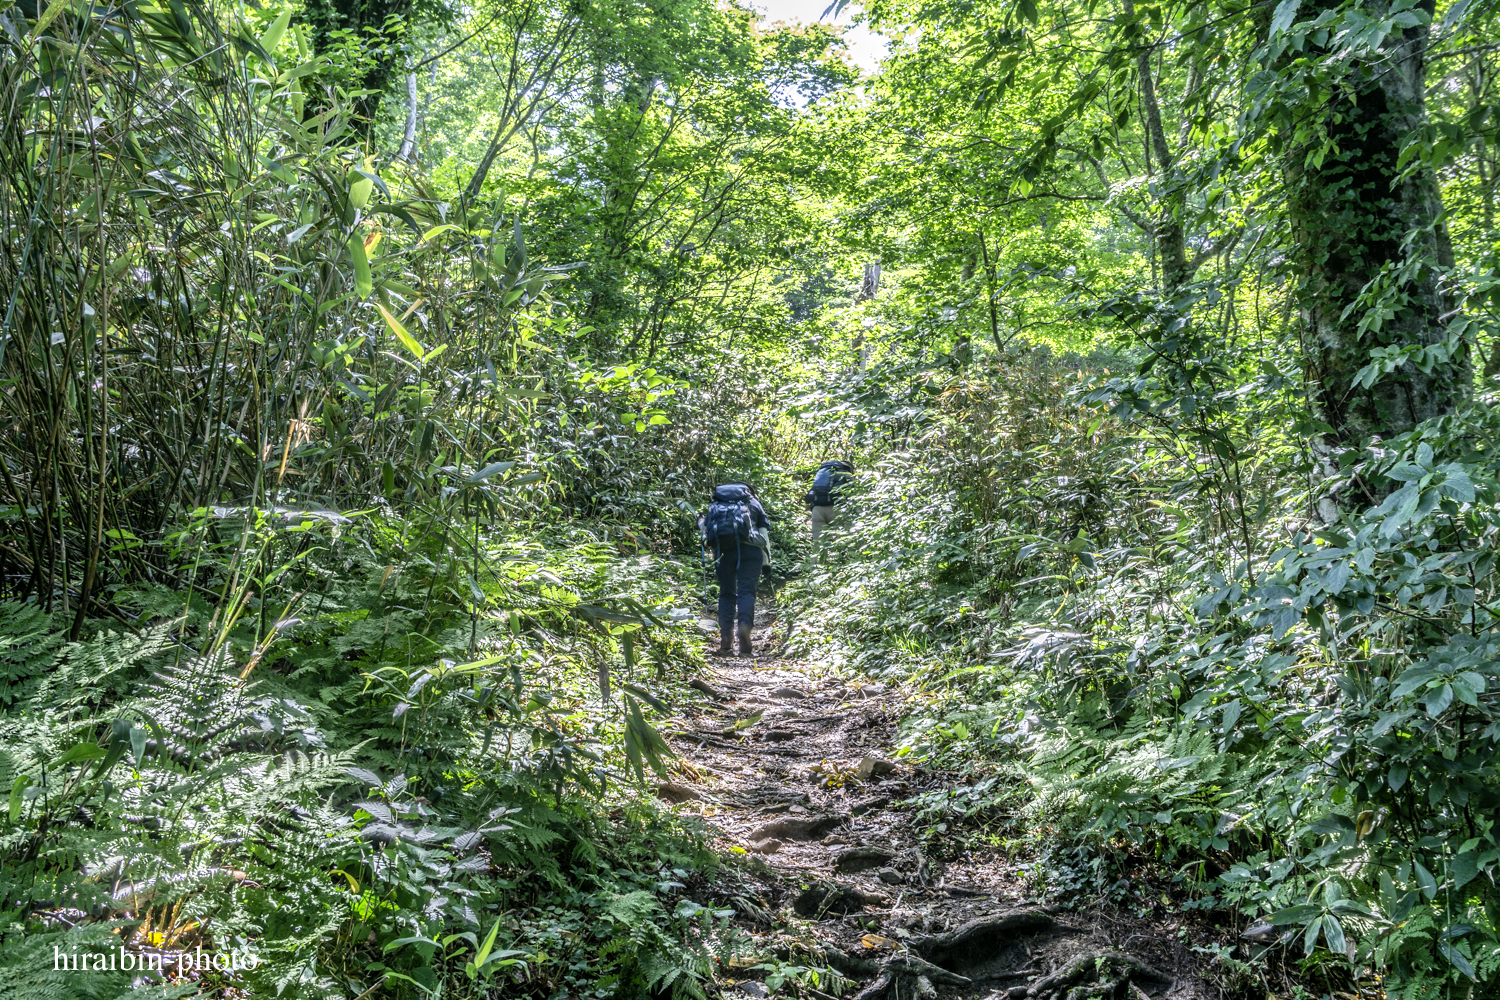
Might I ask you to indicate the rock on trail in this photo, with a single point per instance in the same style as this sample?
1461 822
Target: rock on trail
858 859
791 765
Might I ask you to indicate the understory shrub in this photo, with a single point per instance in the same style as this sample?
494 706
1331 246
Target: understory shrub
1303 741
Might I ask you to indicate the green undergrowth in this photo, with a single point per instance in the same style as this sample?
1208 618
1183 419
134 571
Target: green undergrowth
401 772
1135 716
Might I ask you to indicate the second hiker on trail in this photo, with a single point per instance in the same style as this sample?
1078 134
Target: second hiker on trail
737 533
825 493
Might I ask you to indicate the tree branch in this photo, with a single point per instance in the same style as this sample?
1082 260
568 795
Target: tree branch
432 59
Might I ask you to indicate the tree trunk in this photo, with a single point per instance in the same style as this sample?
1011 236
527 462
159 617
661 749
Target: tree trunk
408 148
326 17
1350 217
991 292
1170 239
963 350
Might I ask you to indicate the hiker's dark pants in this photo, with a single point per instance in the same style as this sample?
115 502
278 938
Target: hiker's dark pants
738 570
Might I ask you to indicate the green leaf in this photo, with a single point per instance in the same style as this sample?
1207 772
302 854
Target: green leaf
1387 721
83 751
416 940
272 35
1175 763
647 697
54 9
1387 892
633 749
307 68
1465 868
1397 499
1351 908
1333 934
437 230
407 340
1425 880
489 942
1439 700
1456 484
1294 914
1460 962
490 470
1468 686
361 186
15 796
1454 15
650 743
363 285
747 721
1286 14
1413 678
520 244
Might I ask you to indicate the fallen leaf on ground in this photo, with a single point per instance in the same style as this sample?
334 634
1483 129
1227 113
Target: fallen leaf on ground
747 721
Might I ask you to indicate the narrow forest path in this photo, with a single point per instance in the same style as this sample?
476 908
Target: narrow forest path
787 762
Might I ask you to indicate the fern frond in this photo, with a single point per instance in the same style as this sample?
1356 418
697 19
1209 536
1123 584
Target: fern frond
28 649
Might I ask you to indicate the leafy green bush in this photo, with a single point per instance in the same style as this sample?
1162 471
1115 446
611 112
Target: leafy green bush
1307 739
420 773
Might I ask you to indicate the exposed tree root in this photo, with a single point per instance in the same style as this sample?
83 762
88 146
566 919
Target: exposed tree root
1100 975
978 940
908 976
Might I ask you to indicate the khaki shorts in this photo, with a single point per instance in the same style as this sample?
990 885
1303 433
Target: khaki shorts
822 518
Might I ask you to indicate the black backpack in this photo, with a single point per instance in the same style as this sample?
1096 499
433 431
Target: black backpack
831 475
729 515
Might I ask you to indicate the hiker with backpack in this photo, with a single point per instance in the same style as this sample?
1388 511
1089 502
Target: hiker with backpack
737 533
824 494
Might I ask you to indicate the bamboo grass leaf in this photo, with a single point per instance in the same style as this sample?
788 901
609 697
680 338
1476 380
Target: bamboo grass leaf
363 285
407 340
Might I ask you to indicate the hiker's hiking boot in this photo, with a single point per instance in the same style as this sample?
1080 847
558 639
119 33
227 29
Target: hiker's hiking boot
745 649
726 647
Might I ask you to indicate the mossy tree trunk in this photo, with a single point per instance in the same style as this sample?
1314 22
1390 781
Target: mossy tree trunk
1354 216
375 22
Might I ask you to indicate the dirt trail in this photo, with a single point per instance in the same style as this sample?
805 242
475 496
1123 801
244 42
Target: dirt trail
790 764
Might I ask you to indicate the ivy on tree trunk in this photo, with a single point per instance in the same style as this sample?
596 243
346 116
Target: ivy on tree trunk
1358 218
375 22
